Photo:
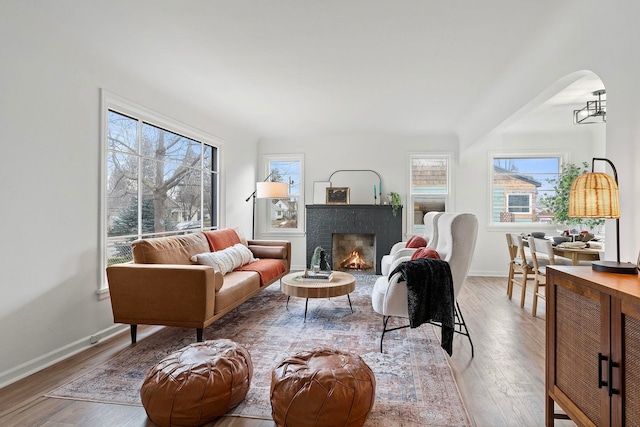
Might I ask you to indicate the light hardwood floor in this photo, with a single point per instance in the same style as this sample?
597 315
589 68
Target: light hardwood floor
503 385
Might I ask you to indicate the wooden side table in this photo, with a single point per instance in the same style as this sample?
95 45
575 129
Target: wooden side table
293 285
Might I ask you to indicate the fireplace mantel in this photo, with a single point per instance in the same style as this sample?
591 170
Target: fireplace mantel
325 220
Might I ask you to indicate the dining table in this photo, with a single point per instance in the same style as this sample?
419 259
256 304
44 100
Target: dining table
574 254
577 254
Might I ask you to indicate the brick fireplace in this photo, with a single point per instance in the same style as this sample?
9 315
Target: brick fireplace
373 228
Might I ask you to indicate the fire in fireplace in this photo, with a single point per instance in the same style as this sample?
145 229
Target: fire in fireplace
354 252
355 262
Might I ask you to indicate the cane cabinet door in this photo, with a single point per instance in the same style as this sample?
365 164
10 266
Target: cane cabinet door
579 342
626 402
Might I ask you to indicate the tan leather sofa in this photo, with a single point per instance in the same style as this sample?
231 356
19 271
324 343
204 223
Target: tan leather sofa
163 286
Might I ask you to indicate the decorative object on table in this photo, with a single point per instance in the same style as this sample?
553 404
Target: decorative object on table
320 276
324 264
561 239
595 195
266 190
337 195
538 234
396 202
315 258
558 203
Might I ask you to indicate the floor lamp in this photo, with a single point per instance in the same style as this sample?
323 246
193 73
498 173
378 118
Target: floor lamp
595 195
266 190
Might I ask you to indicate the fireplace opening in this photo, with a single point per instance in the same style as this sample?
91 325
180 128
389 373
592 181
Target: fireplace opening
353 252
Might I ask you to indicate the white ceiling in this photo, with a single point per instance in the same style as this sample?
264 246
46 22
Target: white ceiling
287 67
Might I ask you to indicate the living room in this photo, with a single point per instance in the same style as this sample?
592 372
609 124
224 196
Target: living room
367 105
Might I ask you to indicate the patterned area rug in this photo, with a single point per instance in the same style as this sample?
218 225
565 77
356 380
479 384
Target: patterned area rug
414 383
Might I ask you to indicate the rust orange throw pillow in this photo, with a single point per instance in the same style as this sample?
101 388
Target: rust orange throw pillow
425 253
221 239
416 242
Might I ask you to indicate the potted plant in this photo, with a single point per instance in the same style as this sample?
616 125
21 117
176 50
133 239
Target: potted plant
396 202
558 203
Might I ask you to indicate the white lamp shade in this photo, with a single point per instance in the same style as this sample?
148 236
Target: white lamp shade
272 190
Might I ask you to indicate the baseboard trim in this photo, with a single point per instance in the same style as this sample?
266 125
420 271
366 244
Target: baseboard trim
32 366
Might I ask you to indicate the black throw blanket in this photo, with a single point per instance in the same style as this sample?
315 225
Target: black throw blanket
430 295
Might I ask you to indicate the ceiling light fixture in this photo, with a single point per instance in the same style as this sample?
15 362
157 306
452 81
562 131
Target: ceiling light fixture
594 112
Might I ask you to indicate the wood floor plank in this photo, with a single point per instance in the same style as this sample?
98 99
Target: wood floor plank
503 385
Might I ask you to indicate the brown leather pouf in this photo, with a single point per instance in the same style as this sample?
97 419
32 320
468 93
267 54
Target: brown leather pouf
197 383
323 387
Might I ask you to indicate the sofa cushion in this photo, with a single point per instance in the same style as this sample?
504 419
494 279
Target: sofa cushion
268 269
225 260
237 285
169 250
222 239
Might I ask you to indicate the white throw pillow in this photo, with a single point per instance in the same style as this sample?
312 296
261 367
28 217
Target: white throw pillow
227 259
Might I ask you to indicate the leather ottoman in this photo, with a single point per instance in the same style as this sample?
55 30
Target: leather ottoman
197 384
323 387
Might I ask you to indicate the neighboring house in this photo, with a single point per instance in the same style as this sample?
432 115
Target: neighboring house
284 213
514 196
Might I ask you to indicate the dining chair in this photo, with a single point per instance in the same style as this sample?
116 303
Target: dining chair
542 254
520 269
540 248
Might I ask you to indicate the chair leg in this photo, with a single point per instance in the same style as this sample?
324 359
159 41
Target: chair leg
385 320
510 280
534 307
462 324
524 288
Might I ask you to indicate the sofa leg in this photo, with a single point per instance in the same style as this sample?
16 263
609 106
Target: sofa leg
134 333
199 334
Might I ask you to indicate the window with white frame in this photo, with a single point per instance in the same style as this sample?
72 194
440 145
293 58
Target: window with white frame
160 178
517 185
430 187
283 215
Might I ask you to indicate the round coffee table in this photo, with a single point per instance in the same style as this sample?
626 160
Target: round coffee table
340 284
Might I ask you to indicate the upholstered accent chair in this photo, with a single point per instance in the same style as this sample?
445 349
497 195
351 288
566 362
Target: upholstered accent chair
399 250
457 234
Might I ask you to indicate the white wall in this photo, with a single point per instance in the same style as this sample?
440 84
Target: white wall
49 169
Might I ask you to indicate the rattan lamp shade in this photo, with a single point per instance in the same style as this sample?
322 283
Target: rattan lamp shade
594 195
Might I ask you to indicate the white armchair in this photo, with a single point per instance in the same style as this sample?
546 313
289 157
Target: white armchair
400 250
457 234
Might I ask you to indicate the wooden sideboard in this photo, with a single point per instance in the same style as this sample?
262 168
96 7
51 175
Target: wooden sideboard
592 347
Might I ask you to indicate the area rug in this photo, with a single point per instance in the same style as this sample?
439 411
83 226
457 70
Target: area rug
415 386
